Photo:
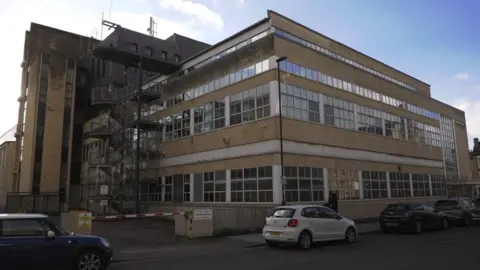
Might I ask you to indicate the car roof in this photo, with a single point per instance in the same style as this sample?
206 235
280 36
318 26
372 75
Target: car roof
21 216
299 206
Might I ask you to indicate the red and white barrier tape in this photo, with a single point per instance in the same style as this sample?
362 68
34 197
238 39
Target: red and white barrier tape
101 218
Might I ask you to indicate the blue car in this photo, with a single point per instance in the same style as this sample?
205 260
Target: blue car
32 241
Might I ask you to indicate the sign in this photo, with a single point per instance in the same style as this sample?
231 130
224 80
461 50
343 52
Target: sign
203 214
85 220
103 202
103 189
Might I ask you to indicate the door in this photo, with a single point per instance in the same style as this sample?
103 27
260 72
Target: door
334 228
315 224
432 218
21 244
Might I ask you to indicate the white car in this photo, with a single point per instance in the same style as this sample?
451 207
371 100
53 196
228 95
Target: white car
306 224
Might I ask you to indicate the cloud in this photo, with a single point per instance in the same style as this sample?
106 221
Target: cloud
476 87
462 76
202 13
472 115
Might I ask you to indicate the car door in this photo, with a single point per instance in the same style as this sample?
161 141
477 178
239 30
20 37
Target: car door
62 245
21 244
333 228
315 224
432 217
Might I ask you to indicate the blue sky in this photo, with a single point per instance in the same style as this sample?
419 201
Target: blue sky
435 41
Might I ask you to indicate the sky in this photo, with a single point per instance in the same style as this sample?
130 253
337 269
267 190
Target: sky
436 41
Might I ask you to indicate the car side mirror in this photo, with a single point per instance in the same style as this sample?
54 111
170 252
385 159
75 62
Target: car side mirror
50 234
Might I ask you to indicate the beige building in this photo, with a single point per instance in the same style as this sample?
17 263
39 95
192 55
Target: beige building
350 125
7 161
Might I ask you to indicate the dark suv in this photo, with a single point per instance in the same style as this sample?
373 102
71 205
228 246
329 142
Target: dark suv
461 210
32 241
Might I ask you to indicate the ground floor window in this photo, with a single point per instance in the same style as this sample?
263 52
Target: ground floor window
374 185
150 192
344 183
304 184
252 184
399 184
420 185
214 186
439 185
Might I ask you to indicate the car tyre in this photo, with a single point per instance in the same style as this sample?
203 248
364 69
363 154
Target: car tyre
467 221
446 224
88 260
271 244
305 240
350 235
418 227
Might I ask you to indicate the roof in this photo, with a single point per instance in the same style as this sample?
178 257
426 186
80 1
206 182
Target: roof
21 216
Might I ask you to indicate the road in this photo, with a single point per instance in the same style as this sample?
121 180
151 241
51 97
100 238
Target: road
457 248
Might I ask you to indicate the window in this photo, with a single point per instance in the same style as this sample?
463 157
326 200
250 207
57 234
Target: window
149 51
439 185
304 184
214 186
22 228
415 131
345 183
177 58
168 188
399 185
177 126
394 126
370 120
186 187
252 185
338 113
300 104
209 116
324 212
374 185
164 55
134 47
150 192
250 105
421 186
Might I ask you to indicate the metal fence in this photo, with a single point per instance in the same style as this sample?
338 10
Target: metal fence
45 203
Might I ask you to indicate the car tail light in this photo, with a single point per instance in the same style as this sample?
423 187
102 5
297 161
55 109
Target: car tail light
292 223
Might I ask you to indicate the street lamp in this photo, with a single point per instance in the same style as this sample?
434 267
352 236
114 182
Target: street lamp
279 60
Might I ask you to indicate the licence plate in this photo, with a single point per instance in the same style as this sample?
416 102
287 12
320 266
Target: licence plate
274 233
391 224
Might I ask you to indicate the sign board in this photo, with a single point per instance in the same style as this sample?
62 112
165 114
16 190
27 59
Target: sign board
203 214
85 220
104 189
103 202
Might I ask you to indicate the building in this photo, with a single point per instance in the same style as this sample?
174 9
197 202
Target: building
7 161
210 132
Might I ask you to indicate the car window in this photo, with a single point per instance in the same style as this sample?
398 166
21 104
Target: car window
467 203
428 208
397 207
418 207
325 212
446 203
310 212
282 213
22 227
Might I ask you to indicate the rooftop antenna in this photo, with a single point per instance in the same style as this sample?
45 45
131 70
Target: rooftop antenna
152 29
101 31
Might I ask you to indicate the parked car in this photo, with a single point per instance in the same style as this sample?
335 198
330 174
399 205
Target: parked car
305 224
461 210
32 241
414 217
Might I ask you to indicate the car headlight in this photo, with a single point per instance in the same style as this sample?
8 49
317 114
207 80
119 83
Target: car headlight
105 242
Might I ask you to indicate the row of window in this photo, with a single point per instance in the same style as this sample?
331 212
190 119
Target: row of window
244 107
341 58
449 149
317 76
303 184
306 105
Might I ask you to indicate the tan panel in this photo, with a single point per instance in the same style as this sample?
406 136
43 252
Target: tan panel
311 59
462 150
237 135
294 28
474 169
327 135
52 138
252 82
330 91
323 162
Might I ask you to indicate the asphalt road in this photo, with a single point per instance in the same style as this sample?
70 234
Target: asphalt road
457 248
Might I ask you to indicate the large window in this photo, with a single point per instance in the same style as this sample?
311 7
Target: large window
252 185
214 186
150 192
304 184
338 113
449 149
300 104
250 105
415 131
209 116
374 185
399 184
177 126
345 183
439 185
370 120
168 189
394 126
421 185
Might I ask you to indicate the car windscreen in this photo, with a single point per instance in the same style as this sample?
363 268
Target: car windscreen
398 207
281 213
446 203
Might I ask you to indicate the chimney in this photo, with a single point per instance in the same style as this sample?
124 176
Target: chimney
476 146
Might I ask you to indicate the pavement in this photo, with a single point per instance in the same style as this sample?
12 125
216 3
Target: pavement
457 248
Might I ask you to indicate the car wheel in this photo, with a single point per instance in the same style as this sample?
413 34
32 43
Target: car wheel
445 224
305 240
350 235
418 227
271 244
88 260
467 221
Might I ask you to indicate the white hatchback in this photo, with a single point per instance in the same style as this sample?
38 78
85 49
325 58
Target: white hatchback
306 224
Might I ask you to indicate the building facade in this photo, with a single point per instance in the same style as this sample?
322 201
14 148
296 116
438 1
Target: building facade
350 125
